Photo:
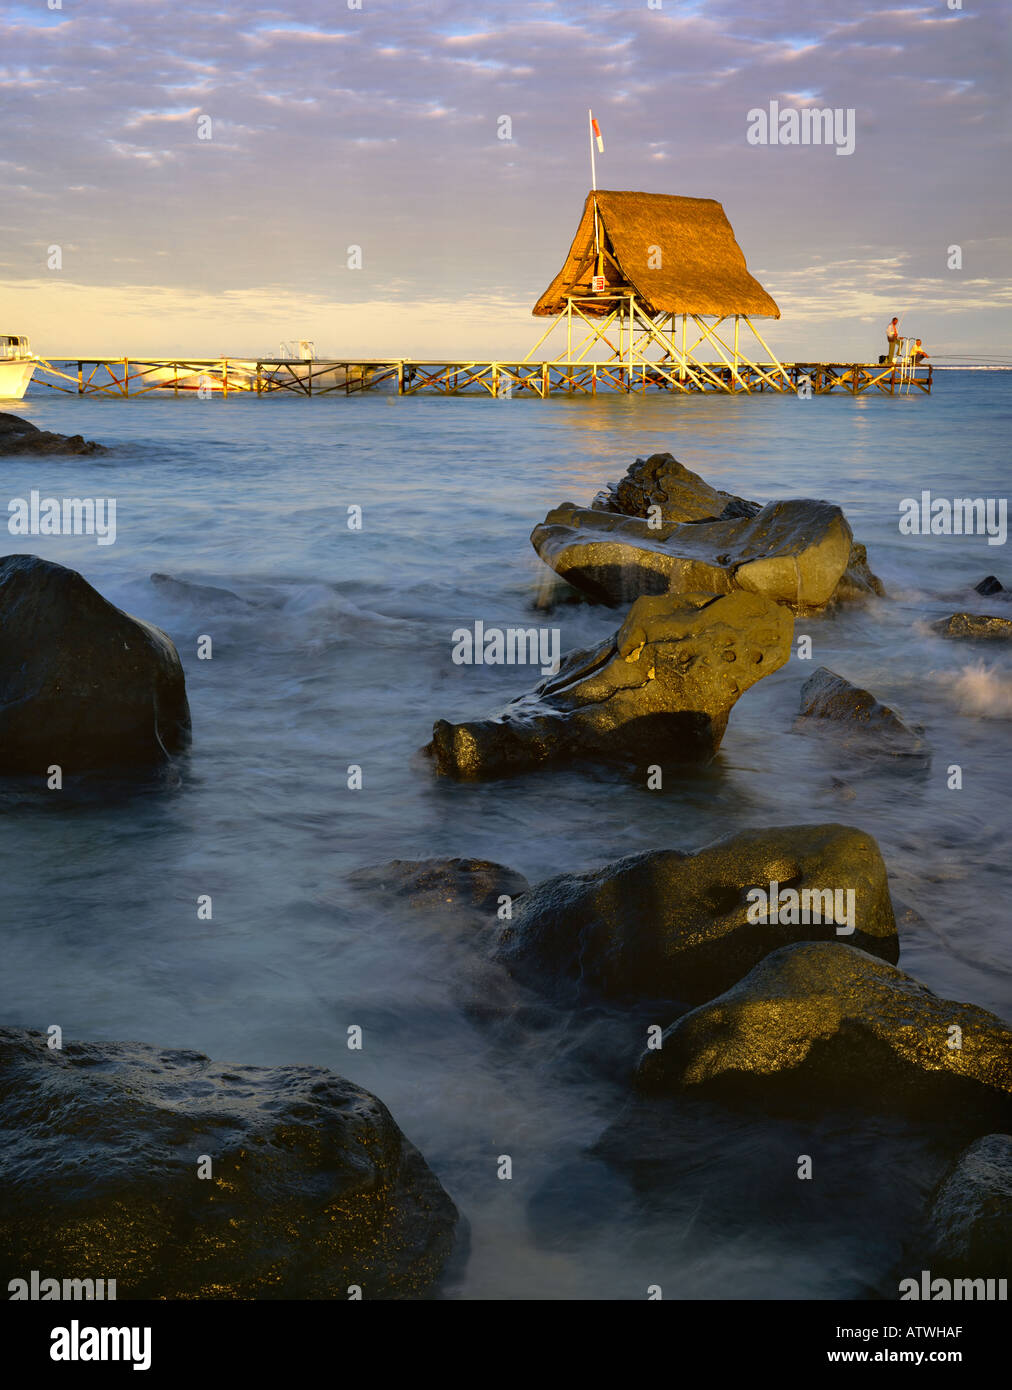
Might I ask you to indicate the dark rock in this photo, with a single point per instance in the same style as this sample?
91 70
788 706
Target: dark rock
20 436
970 1222
661 481
313 1187
659 691
438 884
794 552
672 925
864 725
977 627
990 585
822 1021
82 684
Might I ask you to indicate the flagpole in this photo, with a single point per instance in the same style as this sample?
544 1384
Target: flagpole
593 167
593 181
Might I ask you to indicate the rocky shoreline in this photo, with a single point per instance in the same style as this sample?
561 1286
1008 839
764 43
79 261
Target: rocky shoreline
766 962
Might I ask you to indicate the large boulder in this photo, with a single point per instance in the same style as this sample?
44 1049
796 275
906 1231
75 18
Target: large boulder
662 489
793 552
20 436
861 724
82 684
312 1186
970 1221
679 926
658 692
822 1022
975 627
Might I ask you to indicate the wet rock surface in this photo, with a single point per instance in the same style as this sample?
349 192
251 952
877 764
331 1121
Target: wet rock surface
970 1221
313 1187
819 1022
661 481
976 627
793 552
659 692
20 436
82 684
680 926
662 490
858 581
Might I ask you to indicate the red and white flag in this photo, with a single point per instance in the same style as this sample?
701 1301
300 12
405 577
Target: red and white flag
597 135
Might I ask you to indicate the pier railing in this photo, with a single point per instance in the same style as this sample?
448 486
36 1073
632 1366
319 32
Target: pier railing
223 376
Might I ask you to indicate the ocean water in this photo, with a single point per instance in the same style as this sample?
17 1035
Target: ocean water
339 654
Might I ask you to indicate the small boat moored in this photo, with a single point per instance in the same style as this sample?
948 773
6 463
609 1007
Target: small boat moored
17 364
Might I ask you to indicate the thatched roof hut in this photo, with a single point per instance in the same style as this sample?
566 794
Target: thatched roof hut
702 269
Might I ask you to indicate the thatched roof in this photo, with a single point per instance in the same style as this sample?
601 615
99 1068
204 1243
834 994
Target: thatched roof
702 269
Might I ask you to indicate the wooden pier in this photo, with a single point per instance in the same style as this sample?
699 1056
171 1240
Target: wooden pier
224 376
625 315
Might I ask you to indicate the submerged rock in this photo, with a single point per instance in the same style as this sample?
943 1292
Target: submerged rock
82 684
970 1221
658 692
725 1181
977 627
181 590
864 724
794 552
821 1022
679 926
312 1186
437 884
20 436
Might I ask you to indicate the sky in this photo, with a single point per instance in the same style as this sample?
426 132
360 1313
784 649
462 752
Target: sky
378 124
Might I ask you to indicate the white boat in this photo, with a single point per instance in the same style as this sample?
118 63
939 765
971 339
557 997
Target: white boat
17 363
296 367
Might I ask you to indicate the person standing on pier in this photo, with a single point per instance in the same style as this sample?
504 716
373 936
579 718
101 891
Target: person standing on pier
892 338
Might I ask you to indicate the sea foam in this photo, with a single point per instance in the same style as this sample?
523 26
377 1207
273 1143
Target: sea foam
980 689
